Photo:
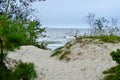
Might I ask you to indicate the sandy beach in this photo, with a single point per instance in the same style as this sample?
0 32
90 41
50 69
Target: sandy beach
89 65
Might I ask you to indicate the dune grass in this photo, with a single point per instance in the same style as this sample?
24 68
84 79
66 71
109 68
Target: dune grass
112 73
64 55
63 52
103 38
57 51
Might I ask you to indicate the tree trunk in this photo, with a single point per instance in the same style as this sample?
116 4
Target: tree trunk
1 54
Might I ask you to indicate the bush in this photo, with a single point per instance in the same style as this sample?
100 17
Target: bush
114 72
24 71
110 73
5 73
117 77
116 55
14 41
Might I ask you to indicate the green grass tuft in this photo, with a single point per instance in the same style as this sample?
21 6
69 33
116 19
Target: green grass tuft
64 55
103 38
57 51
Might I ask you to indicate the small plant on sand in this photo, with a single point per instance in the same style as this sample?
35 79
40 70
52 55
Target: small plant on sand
57 51
68 45
64 55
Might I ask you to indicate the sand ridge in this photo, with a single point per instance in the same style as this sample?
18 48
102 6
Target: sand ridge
88 66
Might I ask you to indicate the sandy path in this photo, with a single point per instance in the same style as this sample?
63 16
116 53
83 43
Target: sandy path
53 69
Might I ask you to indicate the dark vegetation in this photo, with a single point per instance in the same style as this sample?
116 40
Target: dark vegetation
16 29
101 38
22 71
114 72
63 52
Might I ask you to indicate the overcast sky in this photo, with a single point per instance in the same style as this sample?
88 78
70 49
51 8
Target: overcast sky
71 13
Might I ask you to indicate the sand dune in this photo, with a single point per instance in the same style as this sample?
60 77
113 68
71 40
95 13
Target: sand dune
87 66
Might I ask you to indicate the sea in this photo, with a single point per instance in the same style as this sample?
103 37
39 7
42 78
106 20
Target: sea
57 37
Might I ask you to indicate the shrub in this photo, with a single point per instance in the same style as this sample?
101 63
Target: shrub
111 70
114 72
109 77
117 77
24 71
116 55
5 73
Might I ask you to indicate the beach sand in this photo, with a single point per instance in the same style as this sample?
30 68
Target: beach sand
87 62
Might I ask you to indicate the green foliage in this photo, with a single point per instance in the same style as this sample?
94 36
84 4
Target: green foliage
14 30
5 73
24 71
14 20
110 39
13 35
62 52
14 41
64 55
117 77
103 38
68 45
57 51
114 72
109 77
116 55
3 56
34 31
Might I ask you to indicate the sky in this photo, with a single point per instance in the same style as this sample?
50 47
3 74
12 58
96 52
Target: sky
72 13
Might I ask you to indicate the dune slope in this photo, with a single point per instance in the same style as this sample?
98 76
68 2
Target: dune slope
86 66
